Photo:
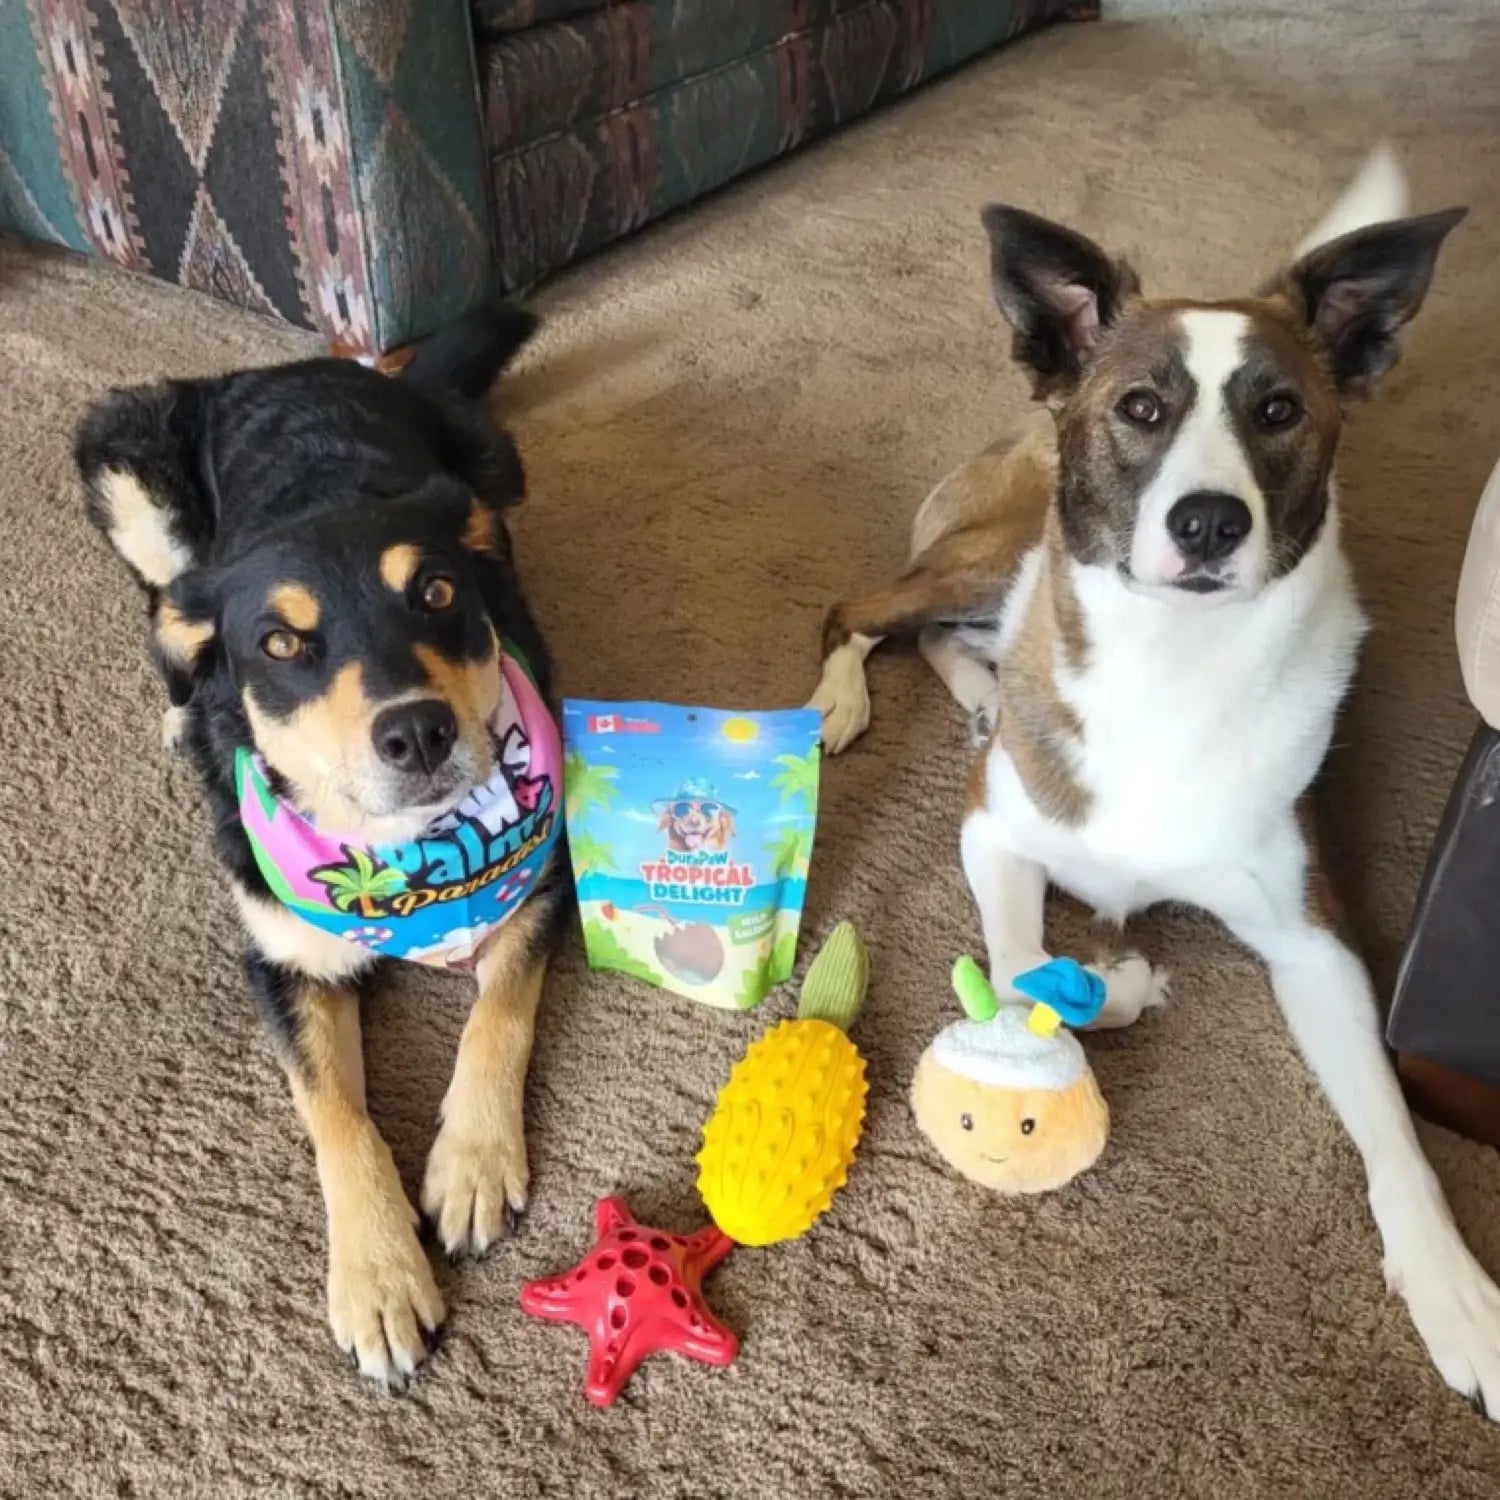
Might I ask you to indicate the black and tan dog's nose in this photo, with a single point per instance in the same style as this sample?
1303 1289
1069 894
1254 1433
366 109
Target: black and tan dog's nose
1208 525
415 736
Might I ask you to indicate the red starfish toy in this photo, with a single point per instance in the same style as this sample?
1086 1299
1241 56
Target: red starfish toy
638 1290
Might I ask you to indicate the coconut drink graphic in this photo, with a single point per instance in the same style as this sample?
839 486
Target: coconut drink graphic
690 951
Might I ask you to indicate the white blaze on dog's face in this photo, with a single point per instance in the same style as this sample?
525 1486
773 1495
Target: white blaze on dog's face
1196 439
1197 446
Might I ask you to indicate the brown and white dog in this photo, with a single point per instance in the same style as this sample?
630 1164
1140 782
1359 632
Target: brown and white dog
1144 607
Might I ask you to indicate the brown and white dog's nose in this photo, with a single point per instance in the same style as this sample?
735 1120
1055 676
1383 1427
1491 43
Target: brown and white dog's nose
1208 525
415 736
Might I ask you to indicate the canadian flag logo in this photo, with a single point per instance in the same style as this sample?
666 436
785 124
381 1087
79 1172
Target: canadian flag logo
614 724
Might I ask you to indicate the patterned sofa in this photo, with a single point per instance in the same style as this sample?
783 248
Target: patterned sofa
370 168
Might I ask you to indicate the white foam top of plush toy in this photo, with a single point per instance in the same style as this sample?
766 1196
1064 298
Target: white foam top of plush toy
1006 1052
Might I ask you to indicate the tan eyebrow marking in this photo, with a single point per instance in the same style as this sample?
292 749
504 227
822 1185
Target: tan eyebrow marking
296 604
398 564
479 532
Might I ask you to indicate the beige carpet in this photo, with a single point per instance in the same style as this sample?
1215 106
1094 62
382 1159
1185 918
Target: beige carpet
728 424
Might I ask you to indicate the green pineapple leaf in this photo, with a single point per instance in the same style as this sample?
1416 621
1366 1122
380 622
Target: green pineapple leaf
834 987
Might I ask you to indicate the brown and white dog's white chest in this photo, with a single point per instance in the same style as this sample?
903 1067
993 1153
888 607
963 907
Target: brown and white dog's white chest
1193 732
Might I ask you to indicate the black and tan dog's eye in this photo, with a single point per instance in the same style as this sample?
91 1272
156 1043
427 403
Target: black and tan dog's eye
1279 411
1141 407
438 593
281 645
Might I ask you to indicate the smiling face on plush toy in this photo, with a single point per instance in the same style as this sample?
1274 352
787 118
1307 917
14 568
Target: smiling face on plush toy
1013 1111
1011 1140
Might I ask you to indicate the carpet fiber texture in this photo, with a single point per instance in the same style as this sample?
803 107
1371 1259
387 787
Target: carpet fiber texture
728 423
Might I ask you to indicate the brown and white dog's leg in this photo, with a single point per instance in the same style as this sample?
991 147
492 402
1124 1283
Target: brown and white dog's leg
968 677
475 1187
1010 891
383 1304
1277 903
938 588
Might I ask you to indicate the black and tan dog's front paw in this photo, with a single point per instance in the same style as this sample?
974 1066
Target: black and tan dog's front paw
383 1305
474 1192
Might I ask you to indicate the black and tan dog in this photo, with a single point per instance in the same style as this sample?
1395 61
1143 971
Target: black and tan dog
329 575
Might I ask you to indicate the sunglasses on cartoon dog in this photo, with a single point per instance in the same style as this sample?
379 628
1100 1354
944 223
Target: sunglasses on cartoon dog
687 809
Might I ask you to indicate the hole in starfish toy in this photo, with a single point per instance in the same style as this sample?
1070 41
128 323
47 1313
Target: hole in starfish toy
659 1275
625 1286
605 1262
617 1318
679 1297
625 1236
659 1244
635 1258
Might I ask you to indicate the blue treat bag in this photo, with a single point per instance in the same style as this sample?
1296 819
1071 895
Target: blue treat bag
691 833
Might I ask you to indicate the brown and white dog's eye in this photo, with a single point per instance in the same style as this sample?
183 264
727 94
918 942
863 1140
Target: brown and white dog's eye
438 593
281 645
1141 407
1279 411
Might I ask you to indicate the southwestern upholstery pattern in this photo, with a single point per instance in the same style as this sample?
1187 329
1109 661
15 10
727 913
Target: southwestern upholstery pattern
316 160
338 164
618 112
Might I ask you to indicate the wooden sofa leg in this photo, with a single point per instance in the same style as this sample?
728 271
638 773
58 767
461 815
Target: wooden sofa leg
1447 1097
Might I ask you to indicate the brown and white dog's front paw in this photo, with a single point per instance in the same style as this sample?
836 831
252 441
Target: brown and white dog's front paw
383 1305
475 1188
1132 986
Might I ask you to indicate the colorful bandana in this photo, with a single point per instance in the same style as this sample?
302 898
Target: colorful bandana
436 899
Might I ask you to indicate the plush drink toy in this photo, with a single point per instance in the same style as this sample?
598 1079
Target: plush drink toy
1007 1095
777 1148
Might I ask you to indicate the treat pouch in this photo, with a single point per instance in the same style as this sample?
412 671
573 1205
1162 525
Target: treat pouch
691 834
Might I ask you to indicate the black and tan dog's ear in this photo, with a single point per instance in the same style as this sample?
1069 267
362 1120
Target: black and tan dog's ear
1358 292
184 628
138 455
1057 289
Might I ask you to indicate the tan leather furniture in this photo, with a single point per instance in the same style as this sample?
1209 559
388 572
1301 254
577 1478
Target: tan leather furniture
1478 612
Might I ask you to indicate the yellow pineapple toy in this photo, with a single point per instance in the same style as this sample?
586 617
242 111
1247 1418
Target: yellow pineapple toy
781 1140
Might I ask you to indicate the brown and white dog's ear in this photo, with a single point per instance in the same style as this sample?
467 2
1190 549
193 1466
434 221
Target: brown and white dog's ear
1359 290
1057 289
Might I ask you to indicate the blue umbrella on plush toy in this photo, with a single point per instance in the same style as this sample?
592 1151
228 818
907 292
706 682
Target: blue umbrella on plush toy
1062 989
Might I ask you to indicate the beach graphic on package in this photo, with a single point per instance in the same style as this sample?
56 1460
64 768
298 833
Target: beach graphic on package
691 834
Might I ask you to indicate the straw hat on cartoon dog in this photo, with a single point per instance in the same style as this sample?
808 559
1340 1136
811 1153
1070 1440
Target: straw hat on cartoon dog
695 818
